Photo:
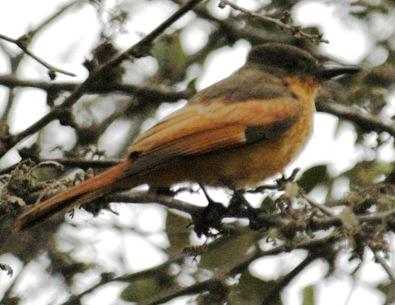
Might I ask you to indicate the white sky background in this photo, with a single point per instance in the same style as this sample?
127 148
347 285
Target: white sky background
69 41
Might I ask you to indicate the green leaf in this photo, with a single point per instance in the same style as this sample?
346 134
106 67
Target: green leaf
140 290
229 253
366 172
313 177
267 203
171 57
149 288
309 295
177 232
251 290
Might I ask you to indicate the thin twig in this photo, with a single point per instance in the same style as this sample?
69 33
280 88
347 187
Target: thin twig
152 197
295 30
21 42
208 285
80 163
205 285
61 10
364 120
327 211
15 60
385 265
124 278
307 245
275 290
129 278
378 258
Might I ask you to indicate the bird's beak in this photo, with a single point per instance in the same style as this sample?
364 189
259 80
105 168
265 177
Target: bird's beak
326 73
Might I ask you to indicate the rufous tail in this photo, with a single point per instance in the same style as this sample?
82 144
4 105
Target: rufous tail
87 191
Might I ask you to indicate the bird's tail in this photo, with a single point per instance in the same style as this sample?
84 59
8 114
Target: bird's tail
85 192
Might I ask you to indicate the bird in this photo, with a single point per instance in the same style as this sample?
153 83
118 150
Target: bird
239 132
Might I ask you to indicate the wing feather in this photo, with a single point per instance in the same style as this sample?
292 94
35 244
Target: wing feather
200 128
199 117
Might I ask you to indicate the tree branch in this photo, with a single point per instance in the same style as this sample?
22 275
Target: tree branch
164 94
278 221
129 278
232 31
364 120
15 60
80 163
385 265
205 285
275 291
22 43
61 10
295 30
124 278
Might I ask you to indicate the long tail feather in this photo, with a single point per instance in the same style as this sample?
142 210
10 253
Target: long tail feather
90 189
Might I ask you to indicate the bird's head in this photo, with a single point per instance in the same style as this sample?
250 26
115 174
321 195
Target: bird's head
290 60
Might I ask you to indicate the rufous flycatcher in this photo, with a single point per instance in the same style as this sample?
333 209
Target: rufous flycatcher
237 132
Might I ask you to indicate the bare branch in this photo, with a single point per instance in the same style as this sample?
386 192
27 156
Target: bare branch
315 223
324 209
152 197
229 29
314 243
274 292
385 265
129 278
364 120
295 30
205 285
22 43
124 278
164 94
61 10
15 60
80 163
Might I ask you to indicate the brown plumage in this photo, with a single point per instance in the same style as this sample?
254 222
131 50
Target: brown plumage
238 131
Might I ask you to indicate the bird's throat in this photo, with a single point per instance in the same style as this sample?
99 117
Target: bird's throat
303 88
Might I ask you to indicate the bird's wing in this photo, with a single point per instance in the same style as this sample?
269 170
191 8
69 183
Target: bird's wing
202 127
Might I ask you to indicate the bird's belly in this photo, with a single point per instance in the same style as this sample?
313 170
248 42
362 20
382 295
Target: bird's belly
249 165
